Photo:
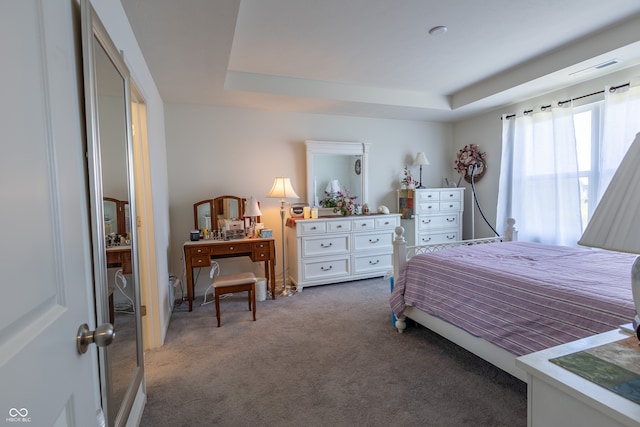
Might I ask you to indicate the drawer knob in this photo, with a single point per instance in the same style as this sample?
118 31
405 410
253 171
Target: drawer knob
451 219
451 237
450 206
323 268
313 228
374 262
322 245
426 221
363 224
374 241
339 226
428 239
429 196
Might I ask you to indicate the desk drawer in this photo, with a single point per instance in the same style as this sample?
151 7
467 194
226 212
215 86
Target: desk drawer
260 251
200 261
232 248
198 250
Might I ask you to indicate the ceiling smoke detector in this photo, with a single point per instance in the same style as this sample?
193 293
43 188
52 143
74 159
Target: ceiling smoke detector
439 30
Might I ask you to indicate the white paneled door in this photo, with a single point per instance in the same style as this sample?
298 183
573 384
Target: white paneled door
45 259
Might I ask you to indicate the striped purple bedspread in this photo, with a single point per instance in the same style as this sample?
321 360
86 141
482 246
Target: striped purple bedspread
520 296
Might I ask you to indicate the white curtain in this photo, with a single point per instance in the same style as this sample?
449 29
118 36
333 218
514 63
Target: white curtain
539 184
621 123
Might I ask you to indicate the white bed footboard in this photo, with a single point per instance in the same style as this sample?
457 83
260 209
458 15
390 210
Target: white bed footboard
402 252
493 354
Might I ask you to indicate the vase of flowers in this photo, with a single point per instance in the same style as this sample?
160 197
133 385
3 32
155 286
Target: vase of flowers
407 181
470 159
342 202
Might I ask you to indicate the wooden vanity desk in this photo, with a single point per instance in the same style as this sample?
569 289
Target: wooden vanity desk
199 254
120 256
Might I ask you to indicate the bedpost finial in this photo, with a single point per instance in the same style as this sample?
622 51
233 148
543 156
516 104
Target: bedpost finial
399 230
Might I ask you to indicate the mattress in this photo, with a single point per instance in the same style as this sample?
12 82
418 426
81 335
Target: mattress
522 297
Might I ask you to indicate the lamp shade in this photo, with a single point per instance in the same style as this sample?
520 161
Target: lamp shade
282 189
333 186
252 208
421 159
615 224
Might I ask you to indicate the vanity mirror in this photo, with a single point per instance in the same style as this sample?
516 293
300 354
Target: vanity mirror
328 161
207 212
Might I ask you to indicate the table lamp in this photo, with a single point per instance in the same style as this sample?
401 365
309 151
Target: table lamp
615 224
333 187
252 211
282 189
421 159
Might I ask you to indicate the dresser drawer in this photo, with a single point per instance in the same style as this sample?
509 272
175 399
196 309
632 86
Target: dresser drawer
315 227
327 268
369 263
339 226
450 206
427 208
450 196
430 222
364 224
427 196
386 223
373 241
429 238
326 245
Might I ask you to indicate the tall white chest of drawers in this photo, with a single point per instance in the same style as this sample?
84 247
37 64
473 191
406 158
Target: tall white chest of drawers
331 250
437 215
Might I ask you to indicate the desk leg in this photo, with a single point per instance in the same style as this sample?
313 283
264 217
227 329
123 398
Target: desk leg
272 273
190 286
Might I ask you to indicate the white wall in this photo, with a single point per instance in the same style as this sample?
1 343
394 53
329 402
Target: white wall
214 151
486 130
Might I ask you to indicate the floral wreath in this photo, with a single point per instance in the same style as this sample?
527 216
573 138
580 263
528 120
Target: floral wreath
467 156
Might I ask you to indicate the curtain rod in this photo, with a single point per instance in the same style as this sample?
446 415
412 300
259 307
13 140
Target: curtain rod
544 107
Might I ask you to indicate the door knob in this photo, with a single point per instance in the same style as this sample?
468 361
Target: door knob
102 336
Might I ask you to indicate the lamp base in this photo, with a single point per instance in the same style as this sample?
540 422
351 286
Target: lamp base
286 292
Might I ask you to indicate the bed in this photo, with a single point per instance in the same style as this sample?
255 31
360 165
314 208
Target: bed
501 300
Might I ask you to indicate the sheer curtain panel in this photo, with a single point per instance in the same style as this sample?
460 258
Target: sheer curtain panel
539 183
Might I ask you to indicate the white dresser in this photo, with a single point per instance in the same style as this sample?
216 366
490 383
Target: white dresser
331 250
436 215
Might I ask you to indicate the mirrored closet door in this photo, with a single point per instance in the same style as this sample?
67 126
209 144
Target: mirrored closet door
113 213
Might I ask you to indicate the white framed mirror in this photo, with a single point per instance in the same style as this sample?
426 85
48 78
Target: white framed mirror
344 162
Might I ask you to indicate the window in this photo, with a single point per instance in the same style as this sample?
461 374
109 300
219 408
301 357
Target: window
587 123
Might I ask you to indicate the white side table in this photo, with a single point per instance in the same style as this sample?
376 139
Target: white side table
557 397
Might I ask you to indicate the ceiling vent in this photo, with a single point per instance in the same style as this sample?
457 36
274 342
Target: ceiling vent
594 68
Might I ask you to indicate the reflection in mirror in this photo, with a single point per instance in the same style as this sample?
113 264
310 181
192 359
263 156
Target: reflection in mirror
345 162
202 212
107 99
208 213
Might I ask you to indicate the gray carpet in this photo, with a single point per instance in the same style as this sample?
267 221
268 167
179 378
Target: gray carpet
327 356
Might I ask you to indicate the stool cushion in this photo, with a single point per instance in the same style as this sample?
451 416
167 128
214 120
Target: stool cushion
233 279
